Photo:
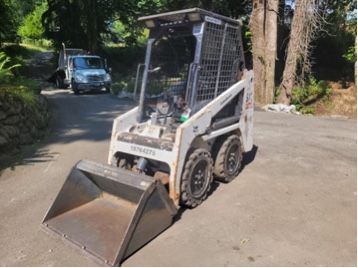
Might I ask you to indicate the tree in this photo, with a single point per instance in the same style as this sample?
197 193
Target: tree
263 24
306 22
335 47
31 26
78 23
9 20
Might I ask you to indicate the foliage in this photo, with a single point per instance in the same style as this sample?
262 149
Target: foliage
335 49
5 71
79 23
31 27
18 92
9 20
123 83
302 97
124 59
351 54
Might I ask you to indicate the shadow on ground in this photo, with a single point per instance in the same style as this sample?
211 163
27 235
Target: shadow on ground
247 159
86 117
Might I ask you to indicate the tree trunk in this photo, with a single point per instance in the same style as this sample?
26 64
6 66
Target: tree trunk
91 20
304 26
258 49
271 49
263 26
289 73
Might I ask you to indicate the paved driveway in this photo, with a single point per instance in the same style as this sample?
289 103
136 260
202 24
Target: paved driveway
294 204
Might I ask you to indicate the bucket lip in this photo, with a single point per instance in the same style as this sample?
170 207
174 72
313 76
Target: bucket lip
138 180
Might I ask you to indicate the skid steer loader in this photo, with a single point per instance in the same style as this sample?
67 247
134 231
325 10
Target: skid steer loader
193 123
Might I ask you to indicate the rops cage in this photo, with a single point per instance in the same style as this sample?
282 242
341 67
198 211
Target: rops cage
193 55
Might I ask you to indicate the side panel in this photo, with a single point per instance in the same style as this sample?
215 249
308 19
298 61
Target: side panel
247 117
120 124
199 124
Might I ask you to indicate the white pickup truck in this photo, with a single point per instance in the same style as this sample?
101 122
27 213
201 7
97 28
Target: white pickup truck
82 71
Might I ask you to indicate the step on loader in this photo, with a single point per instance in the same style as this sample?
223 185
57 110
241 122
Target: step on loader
193 123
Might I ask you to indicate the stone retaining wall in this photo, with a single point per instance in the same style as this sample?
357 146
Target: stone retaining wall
21 123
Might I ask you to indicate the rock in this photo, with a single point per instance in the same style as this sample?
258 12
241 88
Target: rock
14 109
25 138
21 122
3 141
42 123
2 115
11 131
12 120
281 108
24 129
4 133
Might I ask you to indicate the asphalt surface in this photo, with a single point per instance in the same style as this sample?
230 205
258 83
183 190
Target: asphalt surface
293 204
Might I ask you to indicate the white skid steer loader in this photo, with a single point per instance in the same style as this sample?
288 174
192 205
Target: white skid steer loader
192 125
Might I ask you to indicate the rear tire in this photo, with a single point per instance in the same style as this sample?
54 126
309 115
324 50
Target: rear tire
197 178
60 83
228 160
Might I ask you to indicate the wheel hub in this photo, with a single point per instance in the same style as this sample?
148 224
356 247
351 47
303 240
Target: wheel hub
198 180
232 161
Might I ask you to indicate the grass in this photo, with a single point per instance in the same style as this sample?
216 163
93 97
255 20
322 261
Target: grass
21 88
21 51
35 48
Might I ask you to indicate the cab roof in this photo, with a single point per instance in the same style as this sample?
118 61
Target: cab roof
189 15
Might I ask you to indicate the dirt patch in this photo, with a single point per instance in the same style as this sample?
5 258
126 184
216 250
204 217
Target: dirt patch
342 101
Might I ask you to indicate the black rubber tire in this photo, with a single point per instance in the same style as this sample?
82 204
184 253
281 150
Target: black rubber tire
228 159
198 159
59 82
74 88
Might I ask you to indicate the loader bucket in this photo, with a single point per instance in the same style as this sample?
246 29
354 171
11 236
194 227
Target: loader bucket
109 212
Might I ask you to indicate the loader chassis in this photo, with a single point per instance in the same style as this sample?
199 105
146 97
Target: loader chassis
201 64
192 125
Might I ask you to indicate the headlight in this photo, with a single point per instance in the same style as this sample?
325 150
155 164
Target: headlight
80 78
107 77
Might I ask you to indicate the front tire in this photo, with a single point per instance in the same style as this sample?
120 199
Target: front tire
197 178
228 160
74 87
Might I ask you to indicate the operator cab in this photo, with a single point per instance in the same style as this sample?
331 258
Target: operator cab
192 56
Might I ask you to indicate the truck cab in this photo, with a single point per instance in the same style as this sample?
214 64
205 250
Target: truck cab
82 72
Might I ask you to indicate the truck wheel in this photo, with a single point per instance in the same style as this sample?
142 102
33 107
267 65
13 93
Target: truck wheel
228 160
74 88
197 178
59 82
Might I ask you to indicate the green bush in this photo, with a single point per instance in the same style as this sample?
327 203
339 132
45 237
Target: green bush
351 54
123 83
5 71
17 92
314 90
31 27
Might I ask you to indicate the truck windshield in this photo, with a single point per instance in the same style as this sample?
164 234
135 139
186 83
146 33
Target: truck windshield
88 63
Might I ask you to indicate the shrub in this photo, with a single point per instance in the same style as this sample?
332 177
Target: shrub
31 27
5 72
314 90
